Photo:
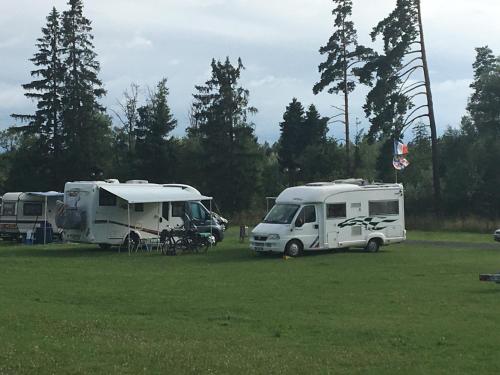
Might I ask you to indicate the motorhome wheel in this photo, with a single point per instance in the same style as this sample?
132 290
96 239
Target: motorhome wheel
293 248
372 246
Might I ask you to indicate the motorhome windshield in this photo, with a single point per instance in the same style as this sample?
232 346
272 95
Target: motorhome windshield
281 214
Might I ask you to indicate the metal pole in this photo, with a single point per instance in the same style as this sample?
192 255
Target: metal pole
128 235
158 227
211 220
45 224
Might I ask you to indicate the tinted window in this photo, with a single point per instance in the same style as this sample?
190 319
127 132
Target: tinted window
379 208
32 209
306 215
336 211
139 207
197 211
106 198
9 208
178 209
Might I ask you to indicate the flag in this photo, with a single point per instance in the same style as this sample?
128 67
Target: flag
400 148
399 162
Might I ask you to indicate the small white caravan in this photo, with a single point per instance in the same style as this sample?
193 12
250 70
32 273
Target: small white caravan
342 214
23 213
104 212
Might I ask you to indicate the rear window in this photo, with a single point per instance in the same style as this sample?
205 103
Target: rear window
9 209
32 209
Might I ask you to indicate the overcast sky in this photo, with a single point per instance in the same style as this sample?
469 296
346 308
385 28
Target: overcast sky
278 41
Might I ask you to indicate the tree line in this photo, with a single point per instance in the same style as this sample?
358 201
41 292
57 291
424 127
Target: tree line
71 136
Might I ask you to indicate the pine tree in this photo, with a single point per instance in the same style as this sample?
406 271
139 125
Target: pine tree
229 151
391 103
81 110
343 55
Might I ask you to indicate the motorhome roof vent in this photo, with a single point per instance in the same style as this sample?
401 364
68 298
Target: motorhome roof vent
315 184
112 181
137 182
352 181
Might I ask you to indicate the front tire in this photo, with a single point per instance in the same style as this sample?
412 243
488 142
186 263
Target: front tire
373 246
294 249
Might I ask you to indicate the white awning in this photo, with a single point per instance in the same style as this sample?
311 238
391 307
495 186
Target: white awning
148 193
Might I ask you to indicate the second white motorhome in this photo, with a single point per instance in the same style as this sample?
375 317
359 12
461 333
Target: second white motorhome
322 216
23 213
105 212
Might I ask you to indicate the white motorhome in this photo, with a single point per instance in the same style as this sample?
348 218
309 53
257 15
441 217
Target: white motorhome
104 212
342 214
22 213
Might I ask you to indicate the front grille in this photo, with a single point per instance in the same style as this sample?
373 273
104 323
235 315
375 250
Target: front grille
260 238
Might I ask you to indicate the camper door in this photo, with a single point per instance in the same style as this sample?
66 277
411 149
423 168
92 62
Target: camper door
307 227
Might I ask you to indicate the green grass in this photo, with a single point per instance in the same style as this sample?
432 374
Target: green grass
413 309
451 237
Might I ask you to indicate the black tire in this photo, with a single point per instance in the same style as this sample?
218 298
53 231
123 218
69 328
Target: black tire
105 246
294 248
373 245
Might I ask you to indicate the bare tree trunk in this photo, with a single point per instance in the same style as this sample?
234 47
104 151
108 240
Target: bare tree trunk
432 119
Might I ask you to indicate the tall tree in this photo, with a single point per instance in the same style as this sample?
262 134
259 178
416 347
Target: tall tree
82 112
154 146
343 55
229 151
46 90
391 104
484 103
291 143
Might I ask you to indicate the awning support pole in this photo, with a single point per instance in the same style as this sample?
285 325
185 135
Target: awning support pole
128 235
45 224
211 221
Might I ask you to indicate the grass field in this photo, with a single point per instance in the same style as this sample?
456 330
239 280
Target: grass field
410 308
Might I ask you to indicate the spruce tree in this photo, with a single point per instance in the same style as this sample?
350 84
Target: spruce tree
153 144
291 142
229 152
45 125
343 55
83 125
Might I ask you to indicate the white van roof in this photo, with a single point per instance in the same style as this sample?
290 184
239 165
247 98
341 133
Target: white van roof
319 192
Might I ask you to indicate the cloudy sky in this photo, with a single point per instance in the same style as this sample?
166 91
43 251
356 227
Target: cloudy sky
143 41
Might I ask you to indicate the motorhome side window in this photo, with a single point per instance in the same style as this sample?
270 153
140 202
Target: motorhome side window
165 210
178 209
139 207
106 199
32 209
384 208
336 211
8 209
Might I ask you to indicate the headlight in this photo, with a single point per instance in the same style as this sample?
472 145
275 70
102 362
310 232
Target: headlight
273 237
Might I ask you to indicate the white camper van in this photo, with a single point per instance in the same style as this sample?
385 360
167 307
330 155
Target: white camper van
23 213
341 214
103 212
